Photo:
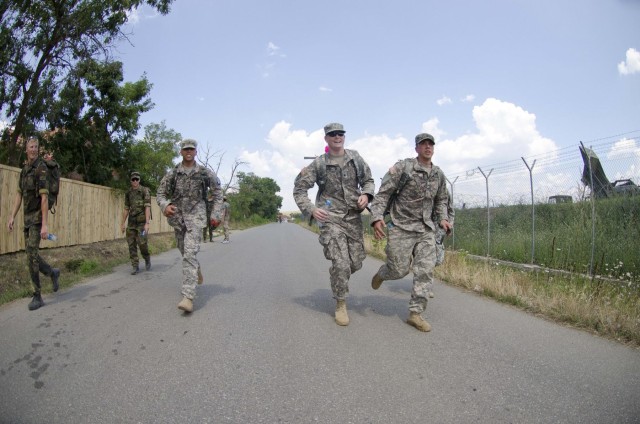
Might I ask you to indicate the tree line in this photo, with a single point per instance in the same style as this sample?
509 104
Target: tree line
60 83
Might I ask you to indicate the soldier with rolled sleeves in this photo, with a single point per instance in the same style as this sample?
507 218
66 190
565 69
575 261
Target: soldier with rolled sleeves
411 229
137 207
345 187
33 190
182 197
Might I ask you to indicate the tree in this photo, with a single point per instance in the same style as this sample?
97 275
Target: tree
256 195
42 42
207 156
153 155
94 121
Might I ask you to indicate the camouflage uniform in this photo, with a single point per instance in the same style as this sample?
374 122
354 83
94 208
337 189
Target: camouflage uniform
190 216
342 234
226 217
411 229
136 201
208 227
33 183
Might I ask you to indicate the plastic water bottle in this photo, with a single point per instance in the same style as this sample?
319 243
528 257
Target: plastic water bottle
52 237
143 233
326 207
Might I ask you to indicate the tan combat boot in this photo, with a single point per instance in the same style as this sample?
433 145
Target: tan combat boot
186 304
416 320
200 279
341 313
376 282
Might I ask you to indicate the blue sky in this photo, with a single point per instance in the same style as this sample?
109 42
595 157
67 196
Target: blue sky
492 80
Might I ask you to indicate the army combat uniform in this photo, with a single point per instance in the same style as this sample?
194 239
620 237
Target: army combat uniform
411 229
185 188
342 235
226 218
135 202
34 183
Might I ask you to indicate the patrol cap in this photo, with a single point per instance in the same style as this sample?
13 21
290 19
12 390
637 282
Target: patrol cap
334 126
188 143
134 174
424 136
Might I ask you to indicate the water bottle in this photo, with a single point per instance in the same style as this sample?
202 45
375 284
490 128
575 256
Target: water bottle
52 237
143 233
326 207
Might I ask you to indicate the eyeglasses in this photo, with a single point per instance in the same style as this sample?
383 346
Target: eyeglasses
336 134
135 179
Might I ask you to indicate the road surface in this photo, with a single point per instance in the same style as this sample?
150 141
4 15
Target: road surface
262 347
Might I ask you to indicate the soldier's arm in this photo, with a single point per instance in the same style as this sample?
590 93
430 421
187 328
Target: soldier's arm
387 188
216 191
161 195
17 202
303 182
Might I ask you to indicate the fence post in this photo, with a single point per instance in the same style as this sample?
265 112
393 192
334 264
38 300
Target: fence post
533 207
593 215
486 178
453 230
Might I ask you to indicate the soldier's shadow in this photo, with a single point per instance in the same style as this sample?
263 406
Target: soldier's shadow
206 292
321 301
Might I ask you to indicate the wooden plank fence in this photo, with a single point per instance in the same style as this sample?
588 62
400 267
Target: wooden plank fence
85 213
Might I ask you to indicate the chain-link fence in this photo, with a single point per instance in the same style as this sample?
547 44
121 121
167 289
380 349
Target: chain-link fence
576 209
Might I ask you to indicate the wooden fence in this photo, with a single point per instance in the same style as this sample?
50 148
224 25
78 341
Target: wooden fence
85 213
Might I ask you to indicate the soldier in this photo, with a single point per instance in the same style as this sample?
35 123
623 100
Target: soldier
33 190
345 187
182 199
137 206
411 229
226 217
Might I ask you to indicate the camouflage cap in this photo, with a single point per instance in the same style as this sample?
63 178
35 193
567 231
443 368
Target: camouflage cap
334 126
424 136
134 174
189 142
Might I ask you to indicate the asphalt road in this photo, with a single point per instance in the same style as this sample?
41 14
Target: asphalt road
262 347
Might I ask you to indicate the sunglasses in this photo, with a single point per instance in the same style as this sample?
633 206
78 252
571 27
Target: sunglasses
336 134
188 148
135 179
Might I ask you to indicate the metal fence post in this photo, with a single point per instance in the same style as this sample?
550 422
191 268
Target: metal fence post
486 178
593 215
453 230
533 207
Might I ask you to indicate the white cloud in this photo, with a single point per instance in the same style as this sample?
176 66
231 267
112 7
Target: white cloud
443 101
273 50
503 132
624 148
325 89
137 14
468 98
632 63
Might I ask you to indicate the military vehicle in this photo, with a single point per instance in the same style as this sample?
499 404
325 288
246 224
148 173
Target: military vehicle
602 188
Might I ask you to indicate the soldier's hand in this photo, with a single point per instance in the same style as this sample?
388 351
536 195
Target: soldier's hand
378 230
320 214
446 226
363 201
170 210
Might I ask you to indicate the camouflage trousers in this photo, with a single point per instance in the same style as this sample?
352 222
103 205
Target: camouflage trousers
225 228
408 250
135 239
346 254
440 235
36 264
188 239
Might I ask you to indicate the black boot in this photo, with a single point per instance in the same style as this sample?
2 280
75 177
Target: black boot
55 275
36 302
135 270
147 264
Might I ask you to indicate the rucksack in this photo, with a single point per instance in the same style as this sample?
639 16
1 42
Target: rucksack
53 178
321 170
404 179
202 174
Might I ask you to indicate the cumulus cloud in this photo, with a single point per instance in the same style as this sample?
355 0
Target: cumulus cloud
631 64
137 14
468 98
444 100
503 131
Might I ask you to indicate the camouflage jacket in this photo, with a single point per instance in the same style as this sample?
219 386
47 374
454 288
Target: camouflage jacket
184 188
342 187
136 201
33 183
424 196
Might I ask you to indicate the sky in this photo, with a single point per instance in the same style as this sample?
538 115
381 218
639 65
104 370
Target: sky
494 81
